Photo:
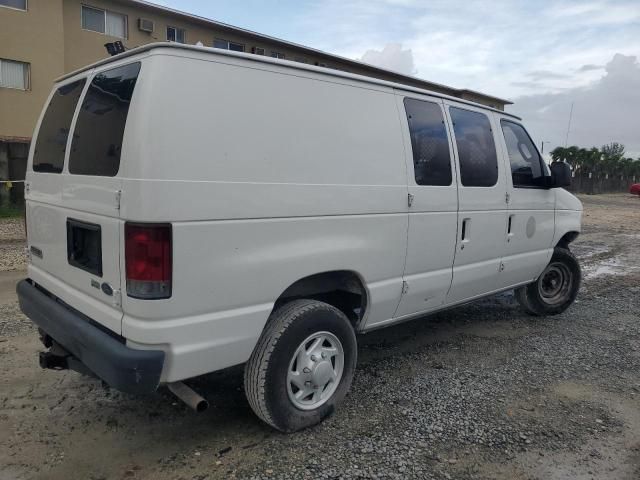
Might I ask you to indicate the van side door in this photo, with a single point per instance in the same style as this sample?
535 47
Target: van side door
530 224
433 204
482 203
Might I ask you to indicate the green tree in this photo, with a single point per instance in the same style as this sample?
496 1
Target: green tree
613 150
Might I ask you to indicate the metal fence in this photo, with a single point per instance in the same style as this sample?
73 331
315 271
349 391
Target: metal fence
13 164
601 183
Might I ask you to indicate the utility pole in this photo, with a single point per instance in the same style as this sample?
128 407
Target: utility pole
542 146
566 139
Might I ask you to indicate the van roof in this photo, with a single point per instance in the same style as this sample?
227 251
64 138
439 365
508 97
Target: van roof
288 63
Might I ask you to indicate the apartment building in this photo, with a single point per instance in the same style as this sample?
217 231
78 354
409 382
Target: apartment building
41 40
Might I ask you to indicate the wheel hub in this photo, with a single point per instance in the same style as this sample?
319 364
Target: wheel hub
555 283
321 374
315 370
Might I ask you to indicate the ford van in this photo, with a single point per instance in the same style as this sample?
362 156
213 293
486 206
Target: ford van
190 209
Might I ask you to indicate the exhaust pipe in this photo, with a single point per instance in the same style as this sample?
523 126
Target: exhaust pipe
188 396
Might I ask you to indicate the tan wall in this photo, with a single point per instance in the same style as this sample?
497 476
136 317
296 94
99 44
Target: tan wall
50 37
482 100
36 37
83 47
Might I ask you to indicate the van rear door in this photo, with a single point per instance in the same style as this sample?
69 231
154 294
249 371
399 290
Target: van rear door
73 217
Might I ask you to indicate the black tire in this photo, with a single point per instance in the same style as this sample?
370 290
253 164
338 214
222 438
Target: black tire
265 375
556 288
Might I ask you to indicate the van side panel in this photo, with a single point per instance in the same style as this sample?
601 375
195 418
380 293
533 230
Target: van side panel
568 215
227 275
267 177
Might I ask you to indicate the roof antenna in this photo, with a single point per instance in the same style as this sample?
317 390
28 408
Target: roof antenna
114 48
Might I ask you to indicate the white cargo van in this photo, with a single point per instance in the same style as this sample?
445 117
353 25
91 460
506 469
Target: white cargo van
190 209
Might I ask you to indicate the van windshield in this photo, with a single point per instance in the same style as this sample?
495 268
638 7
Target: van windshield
97 139
50 146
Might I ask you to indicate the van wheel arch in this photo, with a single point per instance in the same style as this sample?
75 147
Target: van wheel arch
566 239
343 289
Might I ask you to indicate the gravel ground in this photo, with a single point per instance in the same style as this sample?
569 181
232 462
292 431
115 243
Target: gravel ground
479 392
12 240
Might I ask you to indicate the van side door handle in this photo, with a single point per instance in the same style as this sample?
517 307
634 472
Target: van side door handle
465 235
510 227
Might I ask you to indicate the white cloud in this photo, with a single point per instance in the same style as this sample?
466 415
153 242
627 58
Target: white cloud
492 47
595 13
542 54
392 57
607 110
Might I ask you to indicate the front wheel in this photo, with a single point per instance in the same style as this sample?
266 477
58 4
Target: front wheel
555 289
302 366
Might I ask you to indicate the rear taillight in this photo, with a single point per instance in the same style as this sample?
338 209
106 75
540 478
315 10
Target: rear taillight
148 260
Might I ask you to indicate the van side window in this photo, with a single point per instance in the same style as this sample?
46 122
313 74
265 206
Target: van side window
51 144
526 164
97 138
429 142
476 148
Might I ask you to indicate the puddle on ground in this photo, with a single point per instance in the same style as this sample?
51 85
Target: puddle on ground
610 266
584 251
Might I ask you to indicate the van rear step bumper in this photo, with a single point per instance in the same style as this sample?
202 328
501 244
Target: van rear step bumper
85 347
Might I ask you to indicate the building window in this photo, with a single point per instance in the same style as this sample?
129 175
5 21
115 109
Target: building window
176 34
236 47
277 55
14 74
259 51
476 148
17 4
227 45
104 21
219 43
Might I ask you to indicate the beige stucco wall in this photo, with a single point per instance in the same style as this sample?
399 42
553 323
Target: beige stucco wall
36 37
83 47
50 37
483 100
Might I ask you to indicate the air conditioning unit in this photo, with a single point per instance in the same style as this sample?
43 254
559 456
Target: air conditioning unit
146 25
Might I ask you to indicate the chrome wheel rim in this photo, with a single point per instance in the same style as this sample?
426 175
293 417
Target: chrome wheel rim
315 370
555 284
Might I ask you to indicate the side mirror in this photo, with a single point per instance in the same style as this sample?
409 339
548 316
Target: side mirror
560 174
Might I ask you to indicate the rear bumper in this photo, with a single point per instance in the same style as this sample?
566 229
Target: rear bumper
126 369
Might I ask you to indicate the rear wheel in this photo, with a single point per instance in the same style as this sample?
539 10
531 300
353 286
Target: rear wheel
302 366
556 288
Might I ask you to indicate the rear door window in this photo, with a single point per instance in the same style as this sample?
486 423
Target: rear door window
476 148
51 144
97 139
429 142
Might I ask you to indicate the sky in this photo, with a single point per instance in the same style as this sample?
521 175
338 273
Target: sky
543 55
